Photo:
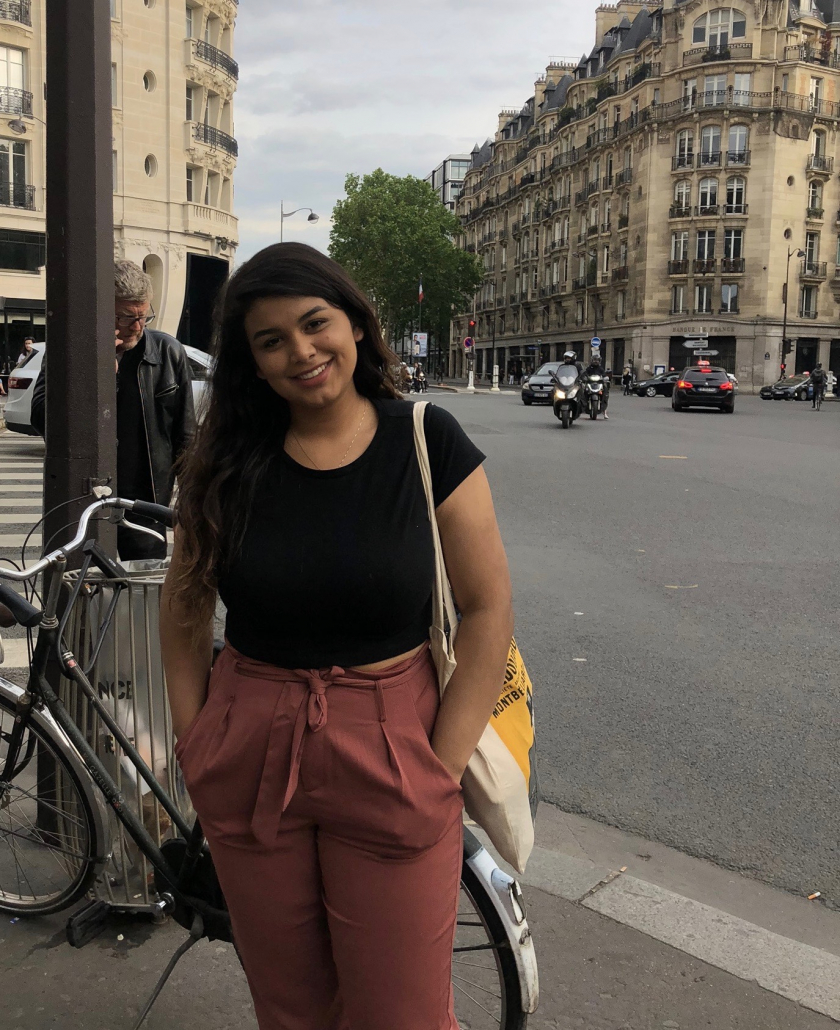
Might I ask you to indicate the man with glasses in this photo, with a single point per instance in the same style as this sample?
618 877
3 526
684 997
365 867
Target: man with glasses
155 416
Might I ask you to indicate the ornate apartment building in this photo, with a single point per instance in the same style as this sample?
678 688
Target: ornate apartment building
174 153
672 181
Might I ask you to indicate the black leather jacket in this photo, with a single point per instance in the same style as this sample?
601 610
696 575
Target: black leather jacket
169 415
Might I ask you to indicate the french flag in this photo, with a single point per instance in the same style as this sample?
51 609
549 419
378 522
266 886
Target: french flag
420 295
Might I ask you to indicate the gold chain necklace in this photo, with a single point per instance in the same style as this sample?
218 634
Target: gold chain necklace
349 448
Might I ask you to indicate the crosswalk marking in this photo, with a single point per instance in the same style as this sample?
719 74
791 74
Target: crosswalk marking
23 519
21 502
22 477
16 655
17 539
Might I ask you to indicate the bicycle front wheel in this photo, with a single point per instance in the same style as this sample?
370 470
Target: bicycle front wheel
47 829
484 974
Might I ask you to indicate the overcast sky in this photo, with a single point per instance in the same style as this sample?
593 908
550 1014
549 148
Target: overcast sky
329 87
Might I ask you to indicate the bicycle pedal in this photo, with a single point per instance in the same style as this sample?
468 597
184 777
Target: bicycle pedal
87 923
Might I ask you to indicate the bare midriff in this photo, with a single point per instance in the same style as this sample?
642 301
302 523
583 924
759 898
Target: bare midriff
377 666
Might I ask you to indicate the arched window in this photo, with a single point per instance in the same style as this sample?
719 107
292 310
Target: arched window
682 195
818 145
737 151
684 157
707 194
736 190
815 195
710 145
716 28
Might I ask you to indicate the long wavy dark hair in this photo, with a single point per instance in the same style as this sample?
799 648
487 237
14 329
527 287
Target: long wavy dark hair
244 420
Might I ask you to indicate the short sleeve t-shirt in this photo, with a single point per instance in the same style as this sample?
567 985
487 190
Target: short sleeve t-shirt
337 566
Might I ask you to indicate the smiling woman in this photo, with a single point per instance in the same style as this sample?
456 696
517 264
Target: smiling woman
323 764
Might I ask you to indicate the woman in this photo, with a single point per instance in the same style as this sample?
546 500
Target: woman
322 764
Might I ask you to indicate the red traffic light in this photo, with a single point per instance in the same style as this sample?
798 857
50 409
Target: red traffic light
472 324
784 366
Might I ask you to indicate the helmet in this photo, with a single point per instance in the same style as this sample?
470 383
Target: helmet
569 357
596 359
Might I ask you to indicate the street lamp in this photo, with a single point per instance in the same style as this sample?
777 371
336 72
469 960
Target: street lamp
790 254
288 214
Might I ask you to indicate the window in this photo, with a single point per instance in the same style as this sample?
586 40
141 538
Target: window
114 97
706 245
685 149
812 248
729 298
710 145
703 298
11 68
785 79
150 166
736 189
189 22
22 251
209 29
714 90
815 195
808 302
708 196
733 244
738 145
13 191
678 299
689 94
113 8
190 184
816 93
716 27
682 194
837 252
190 102
605 260
620 304
741 93
679 245
114 170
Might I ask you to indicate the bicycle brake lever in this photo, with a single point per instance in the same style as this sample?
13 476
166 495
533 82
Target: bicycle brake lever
144 529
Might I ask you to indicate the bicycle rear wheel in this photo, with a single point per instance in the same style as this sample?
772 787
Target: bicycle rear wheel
484 973
47 829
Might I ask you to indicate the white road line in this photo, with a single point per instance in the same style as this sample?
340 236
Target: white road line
21 502
16 540
16 655
22 477
24 519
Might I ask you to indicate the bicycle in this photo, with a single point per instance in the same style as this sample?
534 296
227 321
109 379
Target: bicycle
55 792
818 397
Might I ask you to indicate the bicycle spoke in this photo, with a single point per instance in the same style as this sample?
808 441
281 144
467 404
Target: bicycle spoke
475 1001
49 848
62 812
478 986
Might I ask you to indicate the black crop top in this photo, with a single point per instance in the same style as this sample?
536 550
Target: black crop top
337 566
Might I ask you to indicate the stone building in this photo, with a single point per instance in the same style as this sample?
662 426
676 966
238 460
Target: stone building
172 83
669 182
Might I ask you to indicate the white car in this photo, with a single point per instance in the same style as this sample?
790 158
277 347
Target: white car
22 385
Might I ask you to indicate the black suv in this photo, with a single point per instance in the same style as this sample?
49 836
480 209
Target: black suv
704 387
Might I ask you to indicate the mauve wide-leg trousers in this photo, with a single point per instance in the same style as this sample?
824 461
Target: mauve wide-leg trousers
336 834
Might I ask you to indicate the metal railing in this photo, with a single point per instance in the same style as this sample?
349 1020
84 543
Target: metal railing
704 210
736 209
216 57
810 55
820 163
737 157
808 313
624 177
705 266
814 212
16 10
15 195
680 161
709 159
725 52
679 211
678 267
620 275
216 139
732 266
812 269
15 101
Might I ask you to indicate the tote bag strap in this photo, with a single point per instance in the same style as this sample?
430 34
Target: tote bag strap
444 613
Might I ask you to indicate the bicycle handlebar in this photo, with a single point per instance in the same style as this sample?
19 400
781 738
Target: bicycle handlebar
24 613
155 511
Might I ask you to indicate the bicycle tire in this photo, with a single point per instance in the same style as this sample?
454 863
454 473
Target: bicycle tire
21 799
510 1015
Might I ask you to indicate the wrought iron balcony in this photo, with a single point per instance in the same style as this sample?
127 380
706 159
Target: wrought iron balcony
711 159
624 177
16 10
678 267
579 283
736 209
216 139
592 230
808 313
15 195
705 266
703 210
620 275
15 101
623 221
679 211
812 269
726 52
217 58
732 266
737 157
606 226
820 163
680 161
814 213
811 55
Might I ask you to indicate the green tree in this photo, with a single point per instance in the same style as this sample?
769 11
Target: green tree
389 233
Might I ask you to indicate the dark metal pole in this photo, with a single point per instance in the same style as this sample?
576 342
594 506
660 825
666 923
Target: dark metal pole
81 381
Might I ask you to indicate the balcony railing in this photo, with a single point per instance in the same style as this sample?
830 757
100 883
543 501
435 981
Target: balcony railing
679 211
814 213
705 266
217 58
624 177
812 269
726 52
680 161
607 182
808 313
678 267
810 55
706 209
711 159
820 163
620 275
738 157
579 283
15 101
16 10
732 266
623 221
216 139
606 226
592 230
15 195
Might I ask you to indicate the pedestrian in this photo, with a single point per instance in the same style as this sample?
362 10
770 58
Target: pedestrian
26 350
155 416
326 782
627 381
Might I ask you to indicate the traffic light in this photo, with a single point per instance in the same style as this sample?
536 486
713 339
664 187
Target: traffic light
471 327
784 366
787 347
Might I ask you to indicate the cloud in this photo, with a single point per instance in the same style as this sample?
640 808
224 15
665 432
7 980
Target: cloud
330 87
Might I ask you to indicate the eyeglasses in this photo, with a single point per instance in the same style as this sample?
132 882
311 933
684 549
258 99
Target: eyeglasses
127 321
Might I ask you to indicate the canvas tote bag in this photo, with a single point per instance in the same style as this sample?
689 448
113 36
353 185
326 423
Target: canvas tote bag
500 781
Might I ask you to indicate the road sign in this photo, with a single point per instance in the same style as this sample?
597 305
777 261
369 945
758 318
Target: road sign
468 342
709 353
595 341
692 344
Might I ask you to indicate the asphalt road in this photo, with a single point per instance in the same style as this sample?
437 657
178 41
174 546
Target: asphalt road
692 560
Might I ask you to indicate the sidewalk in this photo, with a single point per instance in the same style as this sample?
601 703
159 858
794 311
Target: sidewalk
654 947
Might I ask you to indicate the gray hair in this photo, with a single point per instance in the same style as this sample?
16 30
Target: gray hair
131 283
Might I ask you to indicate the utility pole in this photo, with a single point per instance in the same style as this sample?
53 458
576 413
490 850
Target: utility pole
81 379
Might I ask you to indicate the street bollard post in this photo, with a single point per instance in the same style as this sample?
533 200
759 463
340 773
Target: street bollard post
471 382
495 387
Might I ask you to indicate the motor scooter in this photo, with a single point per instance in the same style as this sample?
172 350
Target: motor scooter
594 393
568 395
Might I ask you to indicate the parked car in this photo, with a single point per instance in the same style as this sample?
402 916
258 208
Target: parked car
793 388
733 379
540 386
703 386
660 386
22 385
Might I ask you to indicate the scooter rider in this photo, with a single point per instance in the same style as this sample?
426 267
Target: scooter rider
594 368
570 358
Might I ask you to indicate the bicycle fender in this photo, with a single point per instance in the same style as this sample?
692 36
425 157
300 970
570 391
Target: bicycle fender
45 722
506 896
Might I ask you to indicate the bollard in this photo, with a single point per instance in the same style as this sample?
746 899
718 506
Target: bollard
471 383
495 387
